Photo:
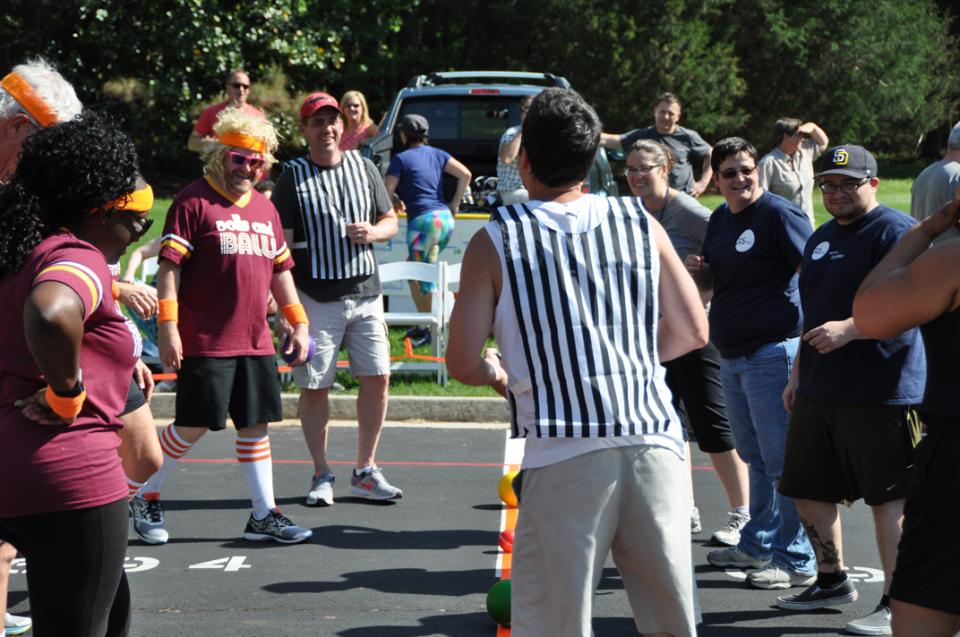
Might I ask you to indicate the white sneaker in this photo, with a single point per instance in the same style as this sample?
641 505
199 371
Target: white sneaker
16 624
321 490
735 558
695 526
876 623
729 533
148 521
776 577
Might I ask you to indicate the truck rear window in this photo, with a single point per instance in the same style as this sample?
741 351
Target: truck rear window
480 118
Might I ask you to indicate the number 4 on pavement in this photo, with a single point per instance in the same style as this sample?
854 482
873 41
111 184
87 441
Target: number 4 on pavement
228 564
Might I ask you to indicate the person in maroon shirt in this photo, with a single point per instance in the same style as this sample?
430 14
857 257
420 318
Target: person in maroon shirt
222 250
64 364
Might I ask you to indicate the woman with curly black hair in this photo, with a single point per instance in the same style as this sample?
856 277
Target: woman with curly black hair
65 361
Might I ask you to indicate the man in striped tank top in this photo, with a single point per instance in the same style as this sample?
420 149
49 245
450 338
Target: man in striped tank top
585 296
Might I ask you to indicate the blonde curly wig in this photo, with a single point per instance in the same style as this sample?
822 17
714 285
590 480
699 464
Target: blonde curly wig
236 120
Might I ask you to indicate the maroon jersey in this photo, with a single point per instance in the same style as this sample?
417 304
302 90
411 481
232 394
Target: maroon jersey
228 250
47 468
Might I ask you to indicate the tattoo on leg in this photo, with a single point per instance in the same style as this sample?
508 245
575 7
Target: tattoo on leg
827 552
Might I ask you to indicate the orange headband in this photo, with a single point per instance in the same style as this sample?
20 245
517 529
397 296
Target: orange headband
137 201
21 91
240 140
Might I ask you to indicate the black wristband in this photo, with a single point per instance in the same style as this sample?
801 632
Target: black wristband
71 393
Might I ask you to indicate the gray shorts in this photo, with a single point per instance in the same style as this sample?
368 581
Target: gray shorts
356 324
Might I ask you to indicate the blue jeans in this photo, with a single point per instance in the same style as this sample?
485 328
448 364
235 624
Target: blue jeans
753 386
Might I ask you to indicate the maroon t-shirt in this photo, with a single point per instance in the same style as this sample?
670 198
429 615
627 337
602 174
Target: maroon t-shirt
47 468
204 125
228 250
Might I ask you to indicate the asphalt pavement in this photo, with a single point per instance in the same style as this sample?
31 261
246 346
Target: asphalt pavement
420 566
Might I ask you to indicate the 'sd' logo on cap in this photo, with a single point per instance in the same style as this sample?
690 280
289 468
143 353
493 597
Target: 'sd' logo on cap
841 157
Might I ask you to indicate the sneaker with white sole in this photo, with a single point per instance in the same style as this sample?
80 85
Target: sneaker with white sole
373 486
276 527
876 623
695 526
729 533
148 521
774 577
736 558
816 597
321 490
16 624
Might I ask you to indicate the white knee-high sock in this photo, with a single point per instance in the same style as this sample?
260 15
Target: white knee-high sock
253 454
173 447
133 488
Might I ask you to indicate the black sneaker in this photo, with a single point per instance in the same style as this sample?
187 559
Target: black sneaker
816 597
276 527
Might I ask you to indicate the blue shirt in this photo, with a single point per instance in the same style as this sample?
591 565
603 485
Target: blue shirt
420 171
753 256
836 260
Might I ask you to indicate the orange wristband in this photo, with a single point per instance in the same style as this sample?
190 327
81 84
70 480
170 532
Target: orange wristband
295 313
115 289
168 311
64 407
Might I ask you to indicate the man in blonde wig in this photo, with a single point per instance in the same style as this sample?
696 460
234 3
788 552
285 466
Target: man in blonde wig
222 250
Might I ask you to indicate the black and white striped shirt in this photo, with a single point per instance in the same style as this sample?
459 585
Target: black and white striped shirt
583 307
329 201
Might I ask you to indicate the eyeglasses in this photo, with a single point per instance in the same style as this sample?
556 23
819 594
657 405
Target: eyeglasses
732 173
631 171
847 187
240 85
243 160
136 223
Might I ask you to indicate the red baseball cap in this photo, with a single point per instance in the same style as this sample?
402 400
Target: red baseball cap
316 101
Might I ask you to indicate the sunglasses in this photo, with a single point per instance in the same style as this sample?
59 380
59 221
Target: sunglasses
237 159
733 172
238 85
135 222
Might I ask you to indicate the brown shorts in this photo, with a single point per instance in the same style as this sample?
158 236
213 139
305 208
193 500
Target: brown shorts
845 451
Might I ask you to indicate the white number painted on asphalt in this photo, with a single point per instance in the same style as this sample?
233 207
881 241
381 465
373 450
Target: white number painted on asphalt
140 564
865 575
228 564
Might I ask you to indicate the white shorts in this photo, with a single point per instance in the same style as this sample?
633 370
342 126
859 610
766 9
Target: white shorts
356 324
631 501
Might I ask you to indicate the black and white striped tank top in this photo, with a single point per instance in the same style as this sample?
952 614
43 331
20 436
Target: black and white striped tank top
586 308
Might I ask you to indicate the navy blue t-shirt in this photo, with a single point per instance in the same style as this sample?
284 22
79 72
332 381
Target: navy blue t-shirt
835 262
420 171
753 256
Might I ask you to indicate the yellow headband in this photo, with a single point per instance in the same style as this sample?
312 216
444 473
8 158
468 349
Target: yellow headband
137 201
239 140
21 91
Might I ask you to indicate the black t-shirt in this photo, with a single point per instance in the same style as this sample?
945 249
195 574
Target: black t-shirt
287 201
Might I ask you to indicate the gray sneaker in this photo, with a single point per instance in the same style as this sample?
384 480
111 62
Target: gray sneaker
736 558
373 486
321 490
876 623
148 520
773 577
276 527
729 533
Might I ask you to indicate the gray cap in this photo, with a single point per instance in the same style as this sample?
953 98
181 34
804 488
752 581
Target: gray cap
414 125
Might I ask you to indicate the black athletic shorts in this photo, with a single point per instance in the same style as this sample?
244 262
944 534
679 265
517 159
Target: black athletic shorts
846 451
245 387
929 553
135 398
694 380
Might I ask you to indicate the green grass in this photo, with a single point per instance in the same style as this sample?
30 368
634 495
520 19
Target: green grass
894 192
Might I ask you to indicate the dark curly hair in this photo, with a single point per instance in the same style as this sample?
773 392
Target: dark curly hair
65 171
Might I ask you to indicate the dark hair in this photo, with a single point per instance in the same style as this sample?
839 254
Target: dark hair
65 171
229 74
560 136
669 98
729 147
263 185
526 100
784 126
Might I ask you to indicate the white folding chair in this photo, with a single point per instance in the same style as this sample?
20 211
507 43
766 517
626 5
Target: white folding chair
450 291
148 269
394 277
